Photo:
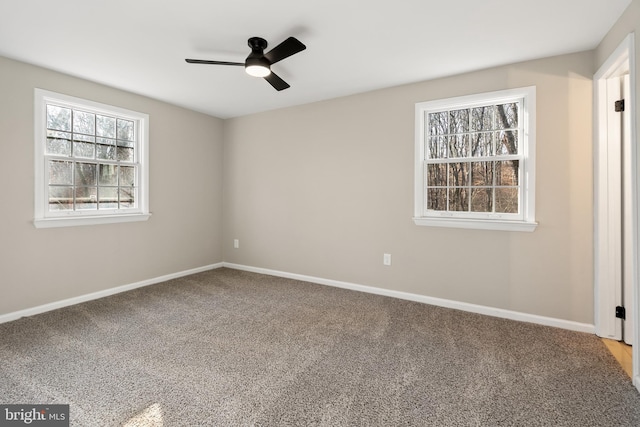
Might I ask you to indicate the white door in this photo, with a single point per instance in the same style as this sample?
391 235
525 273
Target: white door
617 188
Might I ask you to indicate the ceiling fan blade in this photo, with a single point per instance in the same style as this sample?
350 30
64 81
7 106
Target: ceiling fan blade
284 50
204 61
275 81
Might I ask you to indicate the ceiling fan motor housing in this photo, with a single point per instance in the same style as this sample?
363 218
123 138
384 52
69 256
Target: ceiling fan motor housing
256 59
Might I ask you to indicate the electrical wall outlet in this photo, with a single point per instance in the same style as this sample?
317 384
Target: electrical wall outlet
386 259
236 243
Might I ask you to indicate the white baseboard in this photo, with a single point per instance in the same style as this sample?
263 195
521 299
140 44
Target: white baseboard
473 308
101 294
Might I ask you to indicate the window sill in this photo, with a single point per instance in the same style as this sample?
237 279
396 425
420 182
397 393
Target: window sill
88 220
478 224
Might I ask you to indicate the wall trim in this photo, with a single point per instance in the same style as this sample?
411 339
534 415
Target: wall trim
101 294
440 302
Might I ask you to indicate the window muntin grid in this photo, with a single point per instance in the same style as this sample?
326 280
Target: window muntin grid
473 159
91 161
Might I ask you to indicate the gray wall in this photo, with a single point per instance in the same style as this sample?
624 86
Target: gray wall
325 189
322 189
39 266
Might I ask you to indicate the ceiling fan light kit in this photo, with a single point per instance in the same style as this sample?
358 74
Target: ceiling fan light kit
257 70
258 64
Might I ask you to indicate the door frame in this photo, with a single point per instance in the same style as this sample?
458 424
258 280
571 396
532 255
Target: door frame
605 275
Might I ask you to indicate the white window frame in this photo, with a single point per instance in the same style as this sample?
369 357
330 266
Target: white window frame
43 218
525 219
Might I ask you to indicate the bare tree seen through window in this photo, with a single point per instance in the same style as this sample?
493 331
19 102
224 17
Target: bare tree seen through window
466 170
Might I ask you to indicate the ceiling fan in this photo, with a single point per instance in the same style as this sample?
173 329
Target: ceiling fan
258 63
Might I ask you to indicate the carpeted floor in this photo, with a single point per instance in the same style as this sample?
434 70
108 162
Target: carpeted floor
231 348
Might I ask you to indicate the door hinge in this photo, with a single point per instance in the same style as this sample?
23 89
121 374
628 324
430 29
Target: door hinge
621 313
619 106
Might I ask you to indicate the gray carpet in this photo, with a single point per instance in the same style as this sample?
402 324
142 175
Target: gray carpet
232 348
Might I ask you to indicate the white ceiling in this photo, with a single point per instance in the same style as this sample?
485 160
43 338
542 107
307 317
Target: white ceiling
352 45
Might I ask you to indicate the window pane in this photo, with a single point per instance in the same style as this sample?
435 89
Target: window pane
507 173
125 154
60 172
108 197
507 200
506 142
507 116
86 174
437 175
437 199
105 126
459 146
108 175
58 118
482 144
60 198
86 198
437 148
459 121
482 173
85 150
438 123
125 130
458 174
458 199
127 197
84 122
106 149
127 176
58 143
482 199
482 118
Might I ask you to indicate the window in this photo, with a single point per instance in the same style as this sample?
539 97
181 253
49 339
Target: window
475 161
91 162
